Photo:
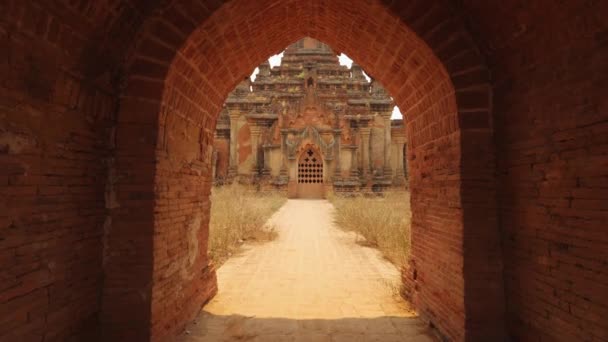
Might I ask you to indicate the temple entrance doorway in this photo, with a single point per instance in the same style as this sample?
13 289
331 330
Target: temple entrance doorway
310 175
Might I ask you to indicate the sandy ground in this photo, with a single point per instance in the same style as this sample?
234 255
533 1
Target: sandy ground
313 283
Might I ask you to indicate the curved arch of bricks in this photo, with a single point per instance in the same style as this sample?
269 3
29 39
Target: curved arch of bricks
185 63
100 185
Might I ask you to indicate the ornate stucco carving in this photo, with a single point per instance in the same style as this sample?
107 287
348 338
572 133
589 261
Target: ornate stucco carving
312 134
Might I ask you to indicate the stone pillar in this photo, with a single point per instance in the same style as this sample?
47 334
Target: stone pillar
354 159
400 173
337 166
266 167
233 163
352 167
283 171
387 147
213 165
256 131
354 163
404 158
365 134
359 155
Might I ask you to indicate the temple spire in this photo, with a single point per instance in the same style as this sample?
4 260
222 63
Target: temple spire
264 69
243 87
357 71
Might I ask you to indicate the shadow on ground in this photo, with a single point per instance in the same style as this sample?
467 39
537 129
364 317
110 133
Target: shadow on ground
209 327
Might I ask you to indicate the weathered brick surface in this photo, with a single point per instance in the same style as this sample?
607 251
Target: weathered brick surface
550 64
58 104
107 110
54 127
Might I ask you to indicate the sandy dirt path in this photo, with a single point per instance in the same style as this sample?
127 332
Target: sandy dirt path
312 283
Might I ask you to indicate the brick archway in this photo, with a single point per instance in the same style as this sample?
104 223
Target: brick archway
189 57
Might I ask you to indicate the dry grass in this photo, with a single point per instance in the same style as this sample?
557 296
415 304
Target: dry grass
381 222
238 214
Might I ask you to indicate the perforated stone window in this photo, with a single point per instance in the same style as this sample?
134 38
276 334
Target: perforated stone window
310 168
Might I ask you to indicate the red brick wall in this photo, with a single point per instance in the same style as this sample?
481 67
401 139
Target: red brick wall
244 148
183 280
222 147
57 109
455 276
550 63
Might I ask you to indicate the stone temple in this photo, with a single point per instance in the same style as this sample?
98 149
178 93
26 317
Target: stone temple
310 126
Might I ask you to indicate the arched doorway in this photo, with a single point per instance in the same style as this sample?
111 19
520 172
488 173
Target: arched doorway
310 174
182 79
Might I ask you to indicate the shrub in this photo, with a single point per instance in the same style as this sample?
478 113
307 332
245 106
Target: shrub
382 222
239 214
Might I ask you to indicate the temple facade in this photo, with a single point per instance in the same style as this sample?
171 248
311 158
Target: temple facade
310 126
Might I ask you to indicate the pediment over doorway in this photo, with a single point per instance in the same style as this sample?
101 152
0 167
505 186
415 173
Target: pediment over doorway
309 134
